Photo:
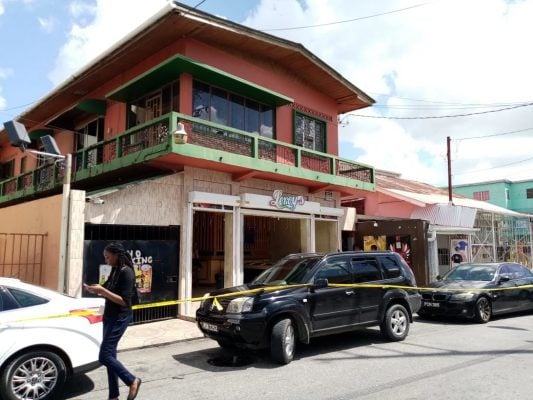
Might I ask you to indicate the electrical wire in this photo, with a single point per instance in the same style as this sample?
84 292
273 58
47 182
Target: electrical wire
437 116
494 134
496 167
343 21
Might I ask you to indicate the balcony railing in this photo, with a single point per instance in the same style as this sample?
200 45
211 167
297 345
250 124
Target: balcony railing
153 139
219 137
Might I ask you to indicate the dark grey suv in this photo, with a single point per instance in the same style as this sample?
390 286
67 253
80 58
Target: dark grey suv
294 300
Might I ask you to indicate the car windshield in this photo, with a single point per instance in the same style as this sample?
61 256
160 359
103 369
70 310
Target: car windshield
471 272
288 271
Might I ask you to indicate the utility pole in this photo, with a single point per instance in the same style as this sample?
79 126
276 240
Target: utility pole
448 154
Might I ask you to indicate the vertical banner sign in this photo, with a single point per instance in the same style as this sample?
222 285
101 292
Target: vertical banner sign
458 251
155 264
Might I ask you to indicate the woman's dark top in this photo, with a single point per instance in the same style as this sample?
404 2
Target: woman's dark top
121 281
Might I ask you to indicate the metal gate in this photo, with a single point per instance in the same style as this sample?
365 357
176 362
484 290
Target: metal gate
138 232
21 256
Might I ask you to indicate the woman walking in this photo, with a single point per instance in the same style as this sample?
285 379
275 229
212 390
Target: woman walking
118 291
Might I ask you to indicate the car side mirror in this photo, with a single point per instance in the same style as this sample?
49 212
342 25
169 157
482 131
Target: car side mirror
503 279
439 278
321 283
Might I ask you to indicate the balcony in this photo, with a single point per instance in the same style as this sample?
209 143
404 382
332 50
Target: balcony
149 149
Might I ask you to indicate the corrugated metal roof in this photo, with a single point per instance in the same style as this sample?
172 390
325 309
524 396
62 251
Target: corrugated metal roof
421 194
443 214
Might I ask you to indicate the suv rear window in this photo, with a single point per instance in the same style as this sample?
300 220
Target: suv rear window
391 268
365 270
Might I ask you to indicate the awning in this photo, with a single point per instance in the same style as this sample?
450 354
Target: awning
170 70
68 119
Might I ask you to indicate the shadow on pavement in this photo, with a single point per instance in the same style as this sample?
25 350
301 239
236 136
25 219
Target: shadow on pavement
76 387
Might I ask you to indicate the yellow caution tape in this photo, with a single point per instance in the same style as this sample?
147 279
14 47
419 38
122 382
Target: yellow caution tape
218 306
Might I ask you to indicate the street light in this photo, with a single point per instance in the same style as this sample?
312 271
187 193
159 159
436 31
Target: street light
18 136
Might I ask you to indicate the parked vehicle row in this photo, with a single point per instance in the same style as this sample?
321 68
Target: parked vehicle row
47 337
279 318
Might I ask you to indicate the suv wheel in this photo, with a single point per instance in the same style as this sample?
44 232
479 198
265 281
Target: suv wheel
282 341
35 375
395 325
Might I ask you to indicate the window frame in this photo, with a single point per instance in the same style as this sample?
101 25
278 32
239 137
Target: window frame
296 114
481 195
231 98
529 193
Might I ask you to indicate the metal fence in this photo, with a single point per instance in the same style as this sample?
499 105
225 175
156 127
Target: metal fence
21 256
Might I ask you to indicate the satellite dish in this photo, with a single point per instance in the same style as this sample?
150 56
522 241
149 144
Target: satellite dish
18 135
50 145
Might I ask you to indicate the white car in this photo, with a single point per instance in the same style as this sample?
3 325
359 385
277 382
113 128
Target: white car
45 337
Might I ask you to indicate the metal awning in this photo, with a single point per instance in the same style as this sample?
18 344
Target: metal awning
170 70
67 120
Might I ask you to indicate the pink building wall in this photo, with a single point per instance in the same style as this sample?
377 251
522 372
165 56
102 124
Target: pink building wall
380 204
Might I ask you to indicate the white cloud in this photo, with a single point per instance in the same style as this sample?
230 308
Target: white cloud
457 51
47 24
2 8
4 73
96 27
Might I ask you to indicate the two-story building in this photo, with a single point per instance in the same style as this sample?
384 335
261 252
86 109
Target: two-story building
513 195
209 148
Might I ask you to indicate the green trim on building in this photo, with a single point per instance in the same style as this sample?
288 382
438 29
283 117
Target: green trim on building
169 70
39 133
93 106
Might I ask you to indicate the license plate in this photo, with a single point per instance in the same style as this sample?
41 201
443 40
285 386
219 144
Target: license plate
431 304
209 327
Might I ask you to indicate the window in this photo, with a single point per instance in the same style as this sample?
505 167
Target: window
219 106
483 196
529 193
309 132
390 267
23 164
335 271
366 270
26 299
7 169
90 134
154 105
444 256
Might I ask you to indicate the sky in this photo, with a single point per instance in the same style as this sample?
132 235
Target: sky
437 69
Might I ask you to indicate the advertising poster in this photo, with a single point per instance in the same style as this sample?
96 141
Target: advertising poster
374 243
155 263
458 251
400 244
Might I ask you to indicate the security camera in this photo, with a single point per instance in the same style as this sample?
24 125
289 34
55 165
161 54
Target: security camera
96 200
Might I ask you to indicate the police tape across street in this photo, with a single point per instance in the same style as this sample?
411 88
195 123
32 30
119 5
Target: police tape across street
273 289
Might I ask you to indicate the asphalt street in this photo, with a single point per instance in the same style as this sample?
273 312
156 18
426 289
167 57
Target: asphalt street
440 359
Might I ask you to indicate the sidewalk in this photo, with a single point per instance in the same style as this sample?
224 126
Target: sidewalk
160 332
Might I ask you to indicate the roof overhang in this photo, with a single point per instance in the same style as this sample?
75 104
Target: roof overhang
170 69
175 22
85 108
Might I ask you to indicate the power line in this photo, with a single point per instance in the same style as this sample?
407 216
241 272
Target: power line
438 116
496 167
344 21
495 134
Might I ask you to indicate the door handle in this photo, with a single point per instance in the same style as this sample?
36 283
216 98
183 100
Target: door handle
350 292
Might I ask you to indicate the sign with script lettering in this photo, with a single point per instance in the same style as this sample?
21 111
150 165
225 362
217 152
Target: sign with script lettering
286 201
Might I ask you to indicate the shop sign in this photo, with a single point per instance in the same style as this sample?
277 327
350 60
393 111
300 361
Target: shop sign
286 201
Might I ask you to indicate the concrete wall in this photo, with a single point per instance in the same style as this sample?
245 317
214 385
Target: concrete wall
41 216
153 202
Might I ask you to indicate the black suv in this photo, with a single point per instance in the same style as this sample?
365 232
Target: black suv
275 316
